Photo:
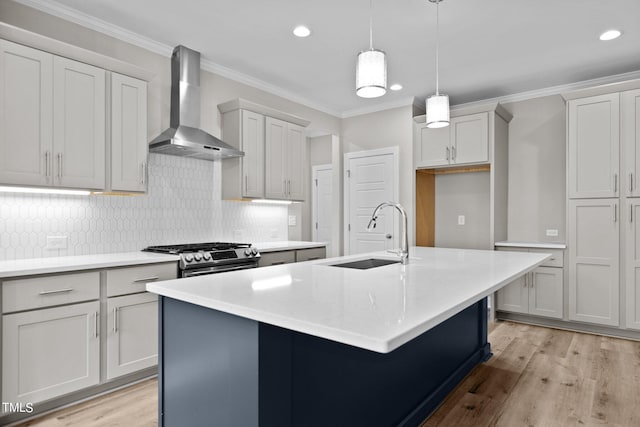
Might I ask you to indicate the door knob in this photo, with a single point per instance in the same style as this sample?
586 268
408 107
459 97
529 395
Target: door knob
388 236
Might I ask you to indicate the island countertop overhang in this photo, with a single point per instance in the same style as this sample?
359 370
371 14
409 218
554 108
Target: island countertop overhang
378 309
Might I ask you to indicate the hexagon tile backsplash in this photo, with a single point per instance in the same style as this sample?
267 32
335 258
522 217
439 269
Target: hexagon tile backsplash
182 205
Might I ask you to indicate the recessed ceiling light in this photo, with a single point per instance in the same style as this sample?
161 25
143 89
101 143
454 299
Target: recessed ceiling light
396 86
610 35
301 31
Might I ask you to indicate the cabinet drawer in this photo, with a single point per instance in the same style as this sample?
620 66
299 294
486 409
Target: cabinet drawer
46 291
131 280
556 260
275 258
310 254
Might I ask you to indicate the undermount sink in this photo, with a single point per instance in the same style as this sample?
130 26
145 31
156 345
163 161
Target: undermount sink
365 264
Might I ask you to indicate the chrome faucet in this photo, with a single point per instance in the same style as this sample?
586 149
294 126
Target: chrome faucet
404 239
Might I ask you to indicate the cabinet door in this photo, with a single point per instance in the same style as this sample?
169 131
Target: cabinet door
253 160
26 91
630 126
50 352
632 262
296 160
78 124
514 297
594 144
433 146
275 160
129 146
594 261
545 292
276 258
132 337
470 139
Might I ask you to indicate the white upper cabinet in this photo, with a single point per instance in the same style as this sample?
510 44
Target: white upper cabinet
465 141
284 160
273 166
470 139
79 105
129 145
630 126
594 146
26 115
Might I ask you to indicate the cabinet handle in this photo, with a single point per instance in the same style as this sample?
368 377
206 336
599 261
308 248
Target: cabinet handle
453 153
95 323
615 182
146 279
115 320
289 188
278 263
631 213
246 183
59 165
57 291
615 213
313 258
526 284
46 164
447 150
630 182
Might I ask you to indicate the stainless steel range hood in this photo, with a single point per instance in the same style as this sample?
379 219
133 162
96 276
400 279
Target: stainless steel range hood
184 136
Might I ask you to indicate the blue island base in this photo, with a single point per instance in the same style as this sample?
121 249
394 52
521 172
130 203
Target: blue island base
221 370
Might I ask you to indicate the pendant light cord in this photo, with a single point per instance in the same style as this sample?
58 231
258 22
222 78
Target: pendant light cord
370 24
437 43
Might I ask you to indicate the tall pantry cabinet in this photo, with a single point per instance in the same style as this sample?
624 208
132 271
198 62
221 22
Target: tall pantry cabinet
602 147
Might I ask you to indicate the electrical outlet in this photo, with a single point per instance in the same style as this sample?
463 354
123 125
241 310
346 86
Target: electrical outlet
461 219
551 232
56 242
293 220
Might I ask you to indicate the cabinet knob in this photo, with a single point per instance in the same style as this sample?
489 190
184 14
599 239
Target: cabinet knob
388 236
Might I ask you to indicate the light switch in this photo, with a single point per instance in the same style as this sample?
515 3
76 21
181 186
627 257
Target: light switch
293 220
461 219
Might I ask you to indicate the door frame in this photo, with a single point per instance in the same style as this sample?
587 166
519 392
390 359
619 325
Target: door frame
394 151
314 197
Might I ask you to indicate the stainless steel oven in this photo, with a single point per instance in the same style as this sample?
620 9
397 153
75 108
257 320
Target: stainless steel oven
197 259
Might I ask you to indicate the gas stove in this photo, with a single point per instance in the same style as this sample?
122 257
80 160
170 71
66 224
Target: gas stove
197 259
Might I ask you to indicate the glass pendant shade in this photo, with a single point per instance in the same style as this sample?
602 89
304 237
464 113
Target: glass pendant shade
371 74
438 111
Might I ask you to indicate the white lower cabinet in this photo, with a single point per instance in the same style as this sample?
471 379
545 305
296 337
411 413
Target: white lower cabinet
594 271
632 263
50 352
132 333
538 292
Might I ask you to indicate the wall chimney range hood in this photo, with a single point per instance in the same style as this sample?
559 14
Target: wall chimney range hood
184 136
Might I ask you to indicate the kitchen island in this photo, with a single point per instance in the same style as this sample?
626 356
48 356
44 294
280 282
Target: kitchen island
316 344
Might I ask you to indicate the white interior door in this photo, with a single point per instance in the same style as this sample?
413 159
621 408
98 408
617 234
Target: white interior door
322 204
370 179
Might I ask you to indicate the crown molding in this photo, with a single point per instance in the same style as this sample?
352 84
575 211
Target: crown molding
553 90
402 102
56 9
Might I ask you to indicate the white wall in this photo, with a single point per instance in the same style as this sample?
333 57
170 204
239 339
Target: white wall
537 169
387 129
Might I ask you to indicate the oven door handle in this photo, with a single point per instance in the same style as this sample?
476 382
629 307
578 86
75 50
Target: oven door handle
222 270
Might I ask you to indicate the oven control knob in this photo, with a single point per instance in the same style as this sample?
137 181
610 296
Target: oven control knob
254 251
206 256
197 257
188 257
248 252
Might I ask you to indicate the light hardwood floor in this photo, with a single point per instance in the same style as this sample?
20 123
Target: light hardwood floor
537 377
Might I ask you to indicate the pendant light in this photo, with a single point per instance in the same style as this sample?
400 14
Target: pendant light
438 104
371 68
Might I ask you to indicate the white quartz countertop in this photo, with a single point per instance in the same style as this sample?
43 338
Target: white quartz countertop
27 267
377 309
287 245
534 245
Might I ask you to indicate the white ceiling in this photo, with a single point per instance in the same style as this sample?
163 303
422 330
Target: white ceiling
488 48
